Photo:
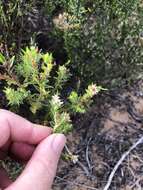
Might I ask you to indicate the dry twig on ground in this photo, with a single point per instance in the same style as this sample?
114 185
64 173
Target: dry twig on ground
140 140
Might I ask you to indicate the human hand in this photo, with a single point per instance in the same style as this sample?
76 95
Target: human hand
26 141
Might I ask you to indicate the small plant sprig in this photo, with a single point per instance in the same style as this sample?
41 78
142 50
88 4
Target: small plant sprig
61 121
30 80
79 104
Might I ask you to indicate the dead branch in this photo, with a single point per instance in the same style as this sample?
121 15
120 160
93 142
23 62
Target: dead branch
120 162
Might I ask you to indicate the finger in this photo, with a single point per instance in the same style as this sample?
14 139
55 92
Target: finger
21 151
4 179
41 169
20 129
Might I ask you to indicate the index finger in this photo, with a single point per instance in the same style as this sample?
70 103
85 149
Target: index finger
18 129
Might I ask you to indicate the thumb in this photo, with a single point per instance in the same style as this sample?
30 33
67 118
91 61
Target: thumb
41 169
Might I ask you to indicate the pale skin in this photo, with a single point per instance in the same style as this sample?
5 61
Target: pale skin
33 144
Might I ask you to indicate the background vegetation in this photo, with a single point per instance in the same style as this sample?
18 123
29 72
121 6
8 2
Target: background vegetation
102 40
54 54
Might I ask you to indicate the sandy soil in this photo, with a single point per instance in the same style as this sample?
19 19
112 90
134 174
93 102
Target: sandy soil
113 124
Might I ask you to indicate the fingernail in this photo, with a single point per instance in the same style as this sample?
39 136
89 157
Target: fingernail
58 143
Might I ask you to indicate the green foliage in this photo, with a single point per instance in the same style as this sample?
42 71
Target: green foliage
82 102
101 39
61 121
18 22
50 6
2 58
35 79
16 97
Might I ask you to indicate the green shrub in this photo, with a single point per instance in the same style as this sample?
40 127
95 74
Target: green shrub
101 39
19 21
35 80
